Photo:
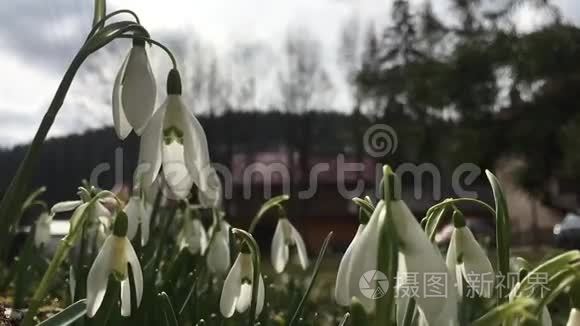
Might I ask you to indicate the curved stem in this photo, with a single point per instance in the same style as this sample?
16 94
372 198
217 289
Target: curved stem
457 200
255 252
98 25
157 43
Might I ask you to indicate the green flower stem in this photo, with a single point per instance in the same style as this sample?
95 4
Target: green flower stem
272 202
47 280
157 43
249 240
20 181
100 11
388 252
457 200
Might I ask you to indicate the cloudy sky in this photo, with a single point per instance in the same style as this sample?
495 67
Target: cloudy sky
39 38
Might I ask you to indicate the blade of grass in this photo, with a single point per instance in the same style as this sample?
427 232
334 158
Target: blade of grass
298 311
68 315
170 318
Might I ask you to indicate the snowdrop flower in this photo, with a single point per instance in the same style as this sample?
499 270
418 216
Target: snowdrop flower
98 210
467 260
285 236
42 230
113 258
193 236
362 258
139 213
574 319
218 252
211 197
418 256
237 290
174 139
341 292
134 92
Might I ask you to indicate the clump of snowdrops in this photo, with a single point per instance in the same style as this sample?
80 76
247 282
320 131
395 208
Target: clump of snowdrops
168 256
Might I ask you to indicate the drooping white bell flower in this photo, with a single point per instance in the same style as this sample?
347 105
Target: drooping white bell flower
468 261
436 297
341 291
112 259
42 230
574 318
286 236
363 258
211 197
98 211
134 92
138 214
174 139
237 291
193 236
218 251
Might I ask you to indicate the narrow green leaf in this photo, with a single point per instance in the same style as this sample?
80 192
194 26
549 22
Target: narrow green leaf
298 310
68 315
344 319
502 233
520 309
170 318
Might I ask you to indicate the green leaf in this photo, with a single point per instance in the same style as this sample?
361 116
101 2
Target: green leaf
433 220
502 233
32 197
358 314
272 202
298 311
520 308
344 319
170 318
67 316
365 206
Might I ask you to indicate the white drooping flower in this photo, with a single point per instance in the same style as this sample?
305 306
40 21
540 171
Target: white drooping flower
218 251
363 258
42 230
421 259
417 256
285 237
139 213
468 261
237 291
574 318
193 236
211 197
341 292
174 139
112 259
134 92
98 212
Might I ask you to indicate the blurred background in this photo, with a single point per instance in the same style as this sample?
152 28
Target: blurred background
493 83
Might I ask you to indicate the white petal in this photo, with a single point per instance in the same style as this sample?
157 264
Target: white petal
477 269
122 126
421 257
150 150
245 298
212 196
231 290
65 206
125 298
133 261
145 222
300 247
218 255
139 90
546 317
279 250
175 171
574 319
341 292
98 277
42 230
364 258
451 262
261 296
133 211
